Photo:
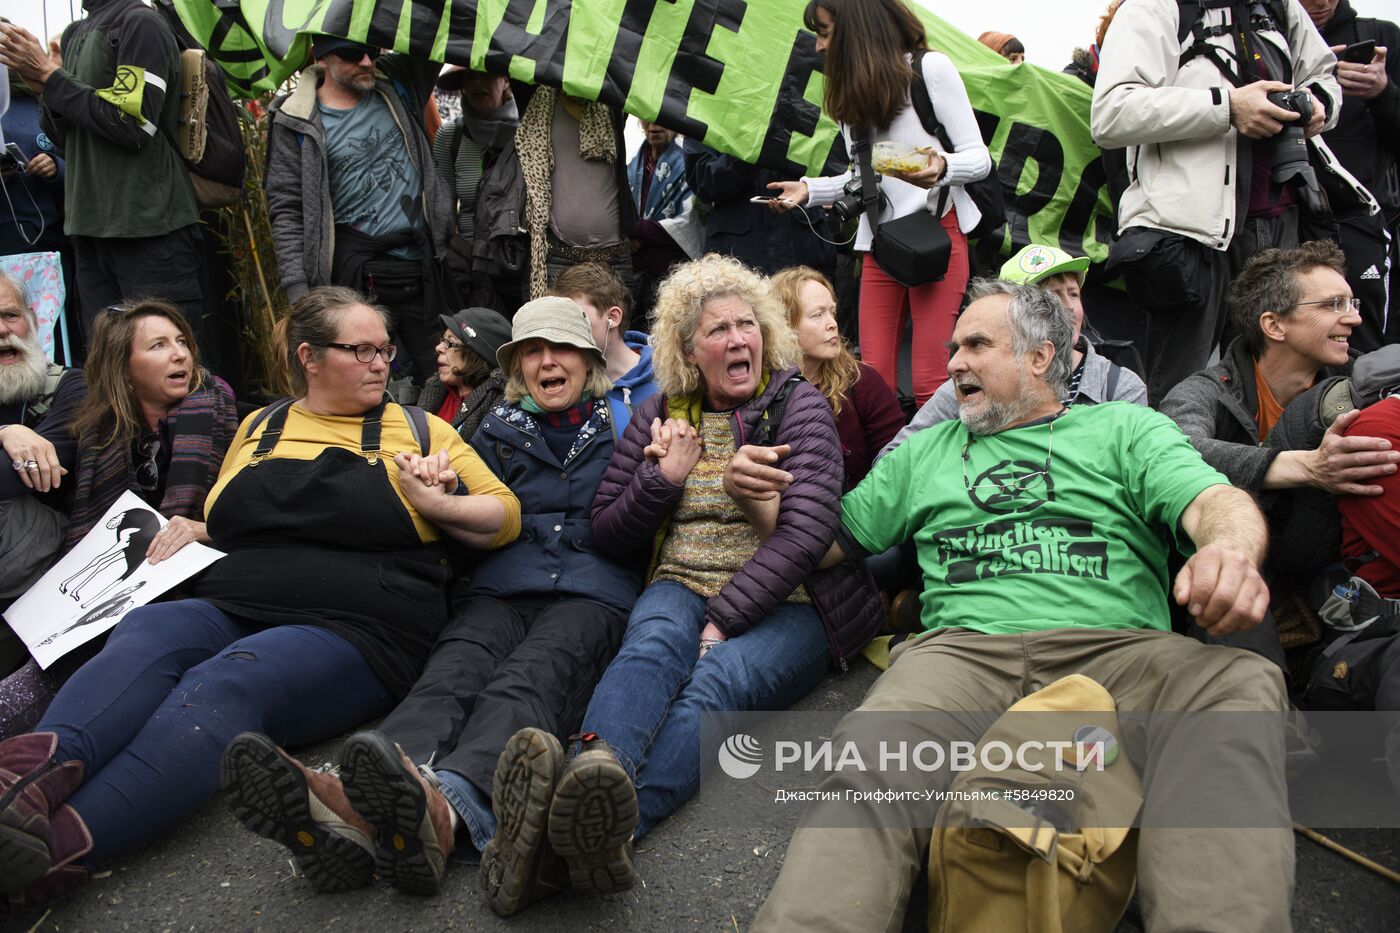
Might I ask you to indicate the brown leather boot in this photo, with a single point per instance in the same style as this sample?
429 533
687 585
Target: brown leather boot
278 798
412 817
592 819
32 785
518 866
69 840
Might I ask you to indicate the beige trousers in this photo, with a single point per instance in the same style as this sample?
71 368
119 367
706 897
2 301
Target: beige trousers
1190 879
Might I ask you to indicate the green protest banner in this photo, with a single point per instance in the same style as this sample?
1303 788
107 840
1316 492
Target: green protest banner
743 77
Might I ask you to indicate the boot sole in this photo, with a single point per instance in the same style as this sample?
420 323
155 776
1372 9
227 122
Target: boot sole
522 789
24 859
394 803
270 797
591 822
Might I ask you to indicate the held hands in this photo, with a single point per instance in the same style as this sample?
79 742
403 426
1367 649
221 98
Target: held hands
1363 81
752 473
1254 115
177 533
1345 466
426 479
1222 588
674 447
33 458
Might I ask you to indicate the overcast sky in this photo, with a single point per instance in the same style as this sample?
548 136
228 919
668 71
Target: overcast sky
1050 29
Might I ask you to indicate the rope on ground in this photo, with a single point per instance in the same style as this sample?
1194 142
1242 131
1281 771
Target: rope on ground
1343 851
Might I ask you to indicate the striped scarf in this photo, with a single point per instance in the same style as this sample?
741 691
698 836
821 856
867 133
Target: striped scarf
201 429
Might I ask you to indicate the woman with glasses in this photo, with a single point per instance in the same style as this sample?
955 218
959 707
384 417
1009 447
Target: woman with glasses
467 383
330 508
531 633
154 423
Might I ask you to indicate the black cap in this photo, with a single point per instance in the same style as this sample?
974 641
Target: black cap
321 46
481 329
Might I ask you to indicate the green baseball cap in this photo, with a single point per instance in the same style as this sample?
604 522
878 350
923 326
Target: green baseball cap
1036 263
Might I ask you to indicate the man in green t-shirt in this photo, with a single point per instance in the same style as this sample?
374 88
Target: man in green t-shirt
1043 534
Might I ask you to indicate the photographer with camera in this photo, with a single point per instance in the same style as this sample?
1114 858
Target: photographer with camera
1219 127
1366 140
916 241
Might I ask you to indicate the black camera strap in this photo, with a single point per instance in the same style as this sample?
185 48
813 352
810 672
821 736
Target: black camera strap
870 189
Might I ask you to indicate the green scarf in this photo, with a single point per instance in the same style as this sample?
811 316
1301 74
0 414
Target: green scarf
690 407
528 403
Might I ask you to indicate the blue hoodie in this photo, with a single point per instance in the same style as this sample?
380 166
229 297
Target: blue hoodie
636 385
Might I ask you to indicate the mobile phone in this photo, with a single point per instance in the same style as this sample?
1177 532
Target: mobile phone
1359 53
17 154
763 198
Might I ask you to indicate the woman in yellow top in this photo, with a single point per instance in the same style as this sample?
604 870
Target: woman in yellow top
319 617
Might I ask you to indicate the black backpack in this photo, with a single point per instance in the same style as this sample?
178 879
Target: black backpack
986 192
1263 15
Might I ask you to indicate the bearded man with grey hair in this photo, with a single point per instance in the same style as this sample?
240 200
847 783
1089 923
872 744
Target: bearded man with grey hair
37 403
1043 534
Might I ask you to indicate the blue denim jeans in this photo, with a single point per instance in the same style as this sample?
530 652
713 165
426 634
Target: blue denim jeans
649 703
150 715
474 807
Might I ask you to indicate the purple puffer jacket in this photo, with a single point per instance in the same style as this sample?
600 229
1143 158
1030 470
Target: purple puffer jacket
635 501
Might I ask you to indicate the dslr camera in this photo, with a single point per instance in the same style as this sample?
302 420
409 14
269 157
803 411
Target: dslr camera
1289 148
851 204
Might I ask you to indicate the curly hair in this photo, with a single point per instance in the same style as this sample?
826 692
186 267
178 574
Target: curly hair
833 378
110 412
679 303
1269 282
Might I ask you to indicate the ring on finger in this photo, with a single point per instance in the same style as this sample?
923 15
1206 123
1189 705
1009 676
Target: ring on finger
31 464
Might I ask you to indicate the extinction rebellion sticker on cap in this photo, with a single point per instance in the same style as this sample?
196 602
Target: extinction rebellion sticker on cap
1036 259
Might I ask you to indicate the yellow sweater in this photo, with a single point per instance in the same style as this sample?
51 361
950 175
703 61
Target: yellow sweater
305 435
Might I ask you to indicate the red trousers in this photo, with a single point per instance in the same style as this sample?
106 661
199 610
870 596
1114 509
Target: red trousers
884 303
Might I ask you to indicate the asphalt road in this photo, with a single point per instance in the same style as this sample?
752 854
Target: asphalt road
696 873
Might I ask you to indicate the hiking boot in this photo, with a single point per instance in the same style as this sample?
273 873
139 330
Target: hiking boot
278 798
592 818
518 867
33 783
412 817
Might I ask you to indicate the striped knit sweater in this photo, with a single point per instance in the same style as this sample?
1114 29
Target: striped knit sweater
201 429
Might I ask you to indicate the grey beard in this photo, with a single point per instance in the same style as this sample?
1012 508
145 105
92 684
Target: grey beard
24 380
996 416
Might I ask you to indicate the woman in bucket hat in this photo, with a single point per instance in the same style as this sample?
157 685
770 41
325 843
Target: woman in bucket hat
530 635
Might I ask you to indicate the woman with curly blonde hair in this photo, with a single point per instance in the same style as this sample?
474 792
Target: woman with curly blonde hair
867 413
734 616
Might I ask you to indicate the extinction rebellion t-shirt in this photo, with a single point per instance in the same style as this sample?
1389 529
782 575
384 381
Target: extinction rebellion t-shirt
375 187
1013 537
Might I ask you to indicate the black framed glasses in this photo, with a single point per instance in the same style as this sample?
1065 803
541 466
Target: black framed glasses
450 344
1012 485
148 463
1336 304
365 352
